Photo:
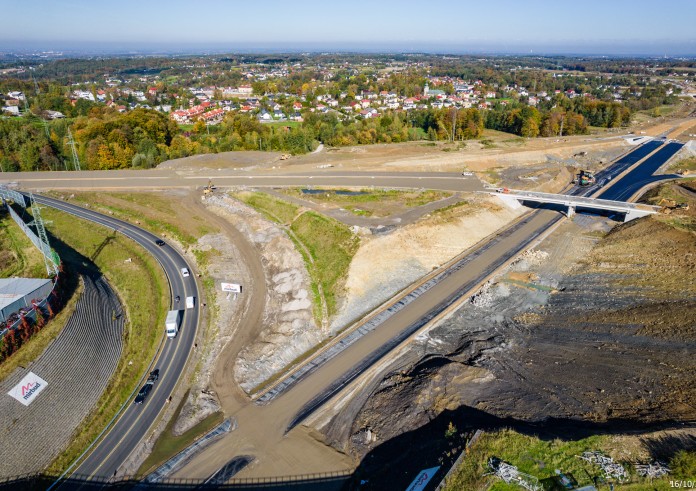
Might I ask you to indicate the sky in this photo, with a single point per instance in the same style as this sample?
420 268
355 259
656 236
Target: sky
656 27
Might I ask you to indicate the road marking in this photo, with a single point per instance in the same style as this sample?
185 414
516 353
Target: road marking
137 234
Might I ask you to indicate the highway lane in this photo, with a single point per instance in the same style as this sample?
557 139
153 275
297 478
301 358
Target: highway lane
136 179
114 448
643 174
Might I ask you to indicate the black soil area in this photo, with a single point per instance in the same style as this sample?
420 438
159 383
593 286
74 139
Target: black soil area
598 334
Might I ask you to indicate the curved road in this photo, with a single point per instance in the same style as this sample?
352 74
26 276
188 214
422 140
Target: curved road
134 421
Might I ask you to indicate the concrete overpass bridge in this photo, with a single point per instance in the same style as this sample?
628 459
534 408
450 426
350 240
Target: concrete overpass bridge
514 198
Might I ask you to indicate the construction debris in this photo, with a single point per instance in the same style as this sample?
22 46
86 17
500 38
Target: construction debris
611 469
511 475
652 469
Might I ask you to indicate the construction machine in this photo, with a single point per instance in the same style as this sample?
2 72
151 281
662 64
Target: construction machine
586 178
670 205
285 156
209 188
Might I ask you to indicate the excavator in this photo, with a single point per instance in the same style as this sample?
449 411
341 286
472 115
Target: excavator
670 205
209 188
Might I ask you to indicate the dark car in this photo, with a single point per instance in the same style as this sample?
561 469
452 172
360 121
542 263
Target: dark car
159 242
154 375
143 393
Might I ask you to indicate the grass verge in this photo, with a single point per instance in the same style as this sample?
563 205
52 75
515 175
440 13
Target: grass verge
541 458
18 256
372 202
150 210
688 164
168 445
326 245
141 286
274 209
332 246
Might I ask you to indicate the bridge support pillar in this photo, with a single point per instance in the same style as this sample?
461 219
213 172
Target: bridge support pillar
571 211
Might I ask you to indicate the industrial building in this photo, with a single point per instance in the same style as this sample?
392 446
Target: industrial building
16 293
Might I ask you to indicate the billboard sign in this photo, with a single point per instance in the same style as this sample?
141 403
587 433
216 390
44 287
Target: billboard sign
422 480
27 390
231 287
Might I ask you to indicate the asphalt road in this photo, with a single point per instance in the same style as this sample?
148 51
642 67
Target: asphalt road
164 179
643 174
134 422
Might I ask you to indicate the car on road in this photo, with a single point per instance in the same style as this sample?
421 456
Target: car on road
154 375
467 174
185 272
159 242
144 391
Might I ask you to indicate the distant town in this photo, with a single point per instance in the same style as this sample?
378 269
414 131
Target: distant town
323 99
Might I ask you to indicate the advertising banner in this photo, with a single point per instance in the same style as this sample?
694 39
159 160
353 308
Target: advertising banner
231 287
424 477
27 390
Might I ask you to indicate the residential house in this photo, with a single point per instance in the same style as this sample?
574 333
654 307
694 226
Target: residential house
54 114
11 110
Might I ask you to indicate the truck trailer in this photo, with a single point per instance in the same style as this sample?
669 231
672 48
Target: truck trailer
172 323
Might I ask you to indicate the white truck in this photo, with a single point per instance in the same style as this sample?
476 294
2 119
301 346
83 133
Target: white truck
190 302
172 323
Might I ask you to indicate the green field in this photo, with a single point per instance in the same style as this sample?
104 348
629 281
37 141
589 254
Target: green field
274 209
541 458
372 202
283 124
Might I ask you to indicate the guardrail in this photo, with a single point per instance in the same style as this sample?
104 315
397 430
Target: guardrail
39 481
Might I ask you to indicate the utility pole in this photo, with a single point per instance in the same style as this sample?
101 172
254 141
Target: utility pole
71 142
560 133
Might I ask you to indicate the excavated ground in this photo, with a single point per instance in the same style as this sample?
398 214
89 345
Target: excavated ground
591 332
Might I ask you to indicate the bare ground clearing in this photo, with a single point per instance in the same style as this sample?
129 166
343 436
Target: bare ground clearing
504 150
